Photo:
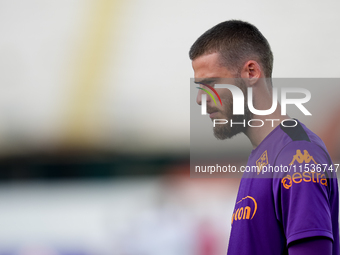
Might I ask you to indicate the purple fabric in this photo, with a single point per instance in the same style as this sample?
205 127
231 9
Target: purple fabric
311 247
276 208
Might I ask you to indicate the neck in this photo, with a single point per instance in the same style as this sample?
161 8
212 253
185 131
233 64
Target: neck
257 134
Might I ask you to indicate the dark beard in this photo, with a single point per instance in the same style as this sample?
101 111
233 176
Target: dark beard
225 131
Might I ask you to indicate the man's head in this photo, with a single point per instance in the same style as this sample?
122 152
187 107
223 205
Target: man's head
236 42
232 49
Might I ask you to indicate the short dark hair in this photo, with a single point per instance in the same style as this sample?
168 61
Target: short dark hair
237 42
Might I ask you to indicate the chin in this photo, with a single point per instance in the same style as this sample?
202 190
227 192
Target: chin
226 132
223 133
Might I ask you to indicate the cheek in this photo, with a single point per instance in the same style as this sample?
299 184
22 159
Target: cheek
226 97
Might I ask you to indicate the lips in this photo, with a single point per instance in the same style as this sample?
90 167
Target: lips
212 114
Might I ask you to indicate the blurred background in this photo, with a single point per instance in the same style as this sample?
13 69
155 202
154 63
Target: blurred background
95 125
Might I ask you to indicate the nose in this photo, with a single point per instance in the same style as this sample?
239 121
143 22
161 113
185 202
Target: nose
199 96
201 92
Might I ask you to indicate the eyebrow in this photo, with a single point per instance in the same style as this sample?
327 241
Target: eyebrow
207 81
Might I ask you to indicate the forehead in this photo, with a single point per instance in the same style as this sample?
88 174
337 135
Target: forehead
209 66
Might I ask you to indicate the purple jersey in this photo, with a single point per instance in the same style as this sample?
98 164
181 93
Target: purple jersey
292 195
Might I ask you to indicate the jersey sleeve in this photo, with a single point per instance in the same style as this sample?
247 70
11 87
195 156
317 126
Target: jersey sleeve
301 194
310 246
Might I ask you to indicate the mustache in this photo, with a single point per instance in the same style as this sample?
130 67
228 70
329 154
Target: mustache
212 109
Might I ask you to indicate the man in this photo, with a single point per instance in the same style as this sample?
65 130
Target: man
294 212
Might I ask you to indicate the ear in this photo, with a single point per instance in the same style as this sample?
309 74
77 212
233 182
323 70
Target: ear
251 71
